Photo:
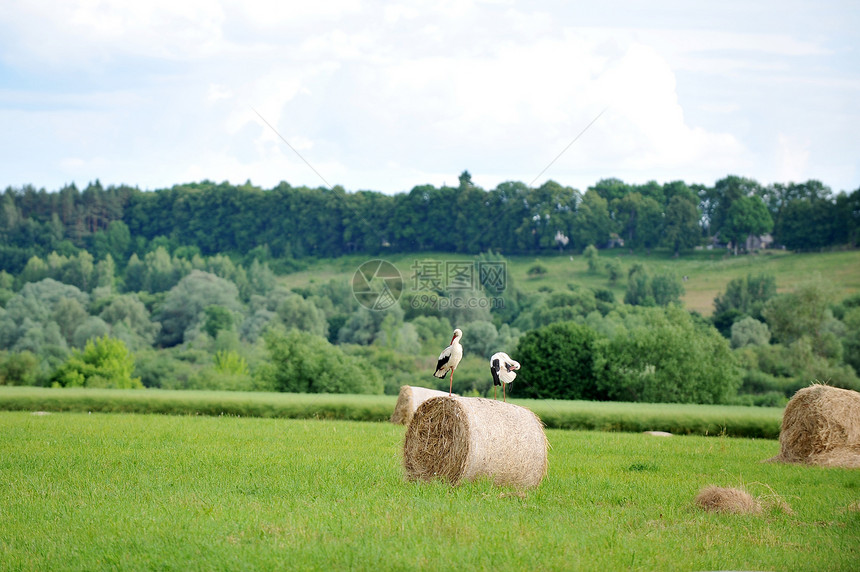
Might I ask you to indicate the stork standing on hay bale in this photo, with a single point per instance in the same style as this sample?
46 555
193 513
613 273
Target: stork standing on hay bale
503 369
449 359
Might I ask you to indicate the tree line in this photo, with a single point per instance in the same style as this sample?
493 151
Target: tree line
290 223
196 322
178 288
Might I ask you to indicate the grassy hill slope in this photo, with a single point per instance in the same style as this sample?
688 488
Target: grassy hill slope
708 272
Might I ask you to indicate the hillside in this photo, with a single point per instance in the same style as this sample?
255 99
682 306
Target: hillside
708 272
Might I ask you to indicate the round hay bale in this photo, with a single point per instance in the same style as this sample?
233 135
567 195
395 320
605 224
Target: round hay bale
409 399
466 438
731 500
821 426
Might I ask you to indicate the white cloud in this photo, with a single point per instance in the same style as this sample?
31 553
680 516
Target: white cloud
792 158
386 96
291 14
81 34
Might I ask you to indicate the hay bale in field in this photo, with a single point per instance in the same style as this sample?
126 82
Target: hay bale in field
722 499
409 399
821 426
465 438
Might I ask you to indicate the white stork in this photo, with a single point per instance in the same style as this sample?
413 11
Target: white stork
503 369
449 359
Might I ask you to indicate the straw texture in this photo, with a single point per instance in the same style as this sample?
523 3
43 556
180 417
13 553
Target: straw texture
467 438
732 500
409 399
821 426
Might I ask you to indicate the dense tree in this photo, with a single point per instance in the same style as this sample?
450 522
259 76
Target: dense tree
613 269
803 312
184 306
639 291
745 217
649 226
291 222
592 257
218 318
744 297
611 189
161 271
661 289
808 224
482 338
851 341
91 328
130 321
304 363
593 224
778 196
397 335
19 368
114 241
639 220
297 313
35 306
847 223
560 360
681 228
565 306
667 357
749 331
716 202
111 241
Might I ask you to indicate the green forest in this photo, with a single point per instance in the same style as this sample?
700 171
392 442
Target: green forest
186 288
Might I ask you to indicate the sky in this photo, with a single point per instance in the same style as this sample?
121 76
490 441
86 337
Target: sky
385 96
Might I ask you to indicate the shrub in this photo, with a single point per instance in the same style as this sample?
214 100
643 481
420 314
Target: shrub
537 271
746 296
158 369
21 368
749 331
668 357
230 362
304 363
104 362
591 255
613 268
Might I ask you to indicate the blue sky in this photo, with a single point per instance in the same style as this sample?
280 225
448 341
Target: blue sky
385 96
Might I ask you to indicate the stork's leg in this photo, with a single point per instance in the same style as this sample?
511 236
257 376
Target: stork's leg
504 393
451 385
494 392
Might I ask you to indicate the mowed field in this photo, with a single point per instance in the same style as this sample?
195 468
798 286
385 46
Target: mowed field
707 271
124 491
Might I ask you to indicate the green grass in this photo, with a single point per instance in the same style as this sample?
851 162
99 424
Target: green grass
608 416
684 419
97 491
708 271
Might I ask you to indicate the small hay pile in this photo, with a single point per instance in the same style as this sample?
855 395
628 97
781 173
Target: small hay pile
466 438
821 426
731 500
409 399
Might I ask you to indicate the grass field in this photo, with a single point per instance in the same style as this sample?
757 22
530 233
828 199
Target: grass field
123 491
688 419
708 272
